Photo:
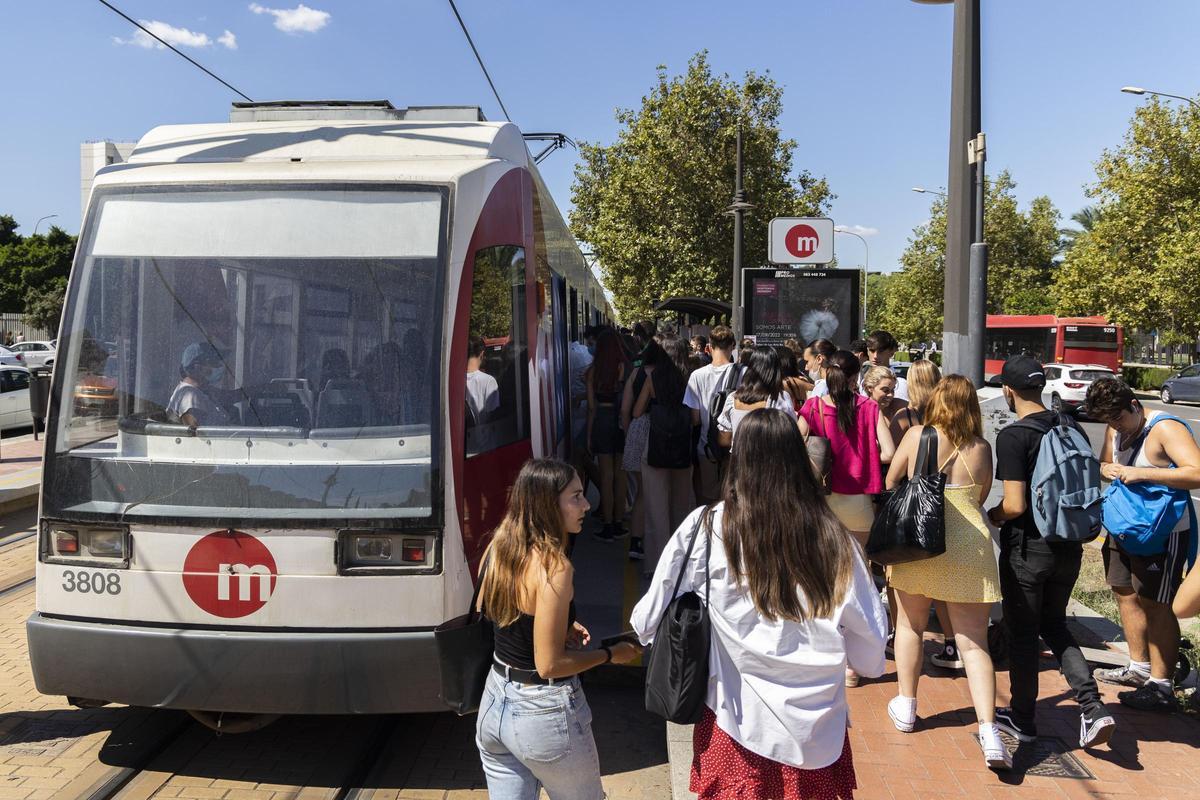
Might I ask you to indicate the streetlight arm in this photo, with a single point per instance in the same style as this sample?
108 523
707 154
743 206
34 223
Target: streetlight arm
1139 90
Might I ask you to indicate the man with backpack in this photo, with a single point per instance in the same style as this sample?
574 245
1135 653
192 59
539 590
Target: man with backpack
1154 463
1051 506
707 388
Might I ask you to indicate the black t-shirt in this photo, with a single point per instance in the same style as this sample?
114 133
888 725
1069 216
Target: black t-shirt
1016 456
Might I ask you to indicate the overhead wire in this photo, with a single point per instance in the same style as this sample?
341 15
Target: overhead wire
478 58
178 52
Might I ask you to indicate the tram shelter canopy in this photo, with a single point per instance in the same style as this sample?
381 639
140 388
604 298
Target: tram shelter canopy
701 308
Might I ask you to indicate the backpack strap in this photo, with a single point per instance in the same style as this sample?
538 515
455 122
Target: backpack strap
1145 434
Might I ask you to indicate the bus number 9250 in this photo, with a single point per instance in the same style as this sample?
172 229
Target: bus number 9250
86 582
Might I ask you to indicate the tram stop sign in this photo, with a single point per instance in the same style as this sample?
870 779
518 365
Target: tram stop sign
800 240
229 574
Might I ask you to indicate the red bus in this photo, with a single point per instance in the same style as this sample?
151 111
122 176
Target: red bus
1063 340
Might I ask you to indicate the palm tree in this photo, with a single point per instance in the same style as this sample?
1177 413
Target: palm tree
1086 218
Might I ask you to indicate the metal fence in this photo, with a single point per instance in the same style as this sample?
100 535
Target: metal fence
1143 348
14 323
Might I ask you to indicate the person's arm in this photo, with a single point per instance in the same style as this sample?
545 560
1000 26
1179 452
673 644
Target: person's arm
1179 446
1187 599
627 399
983 470
649 610
1010 469
887 445
551 611
901 422
1106 449
898 470
588 378
864 624
802 421
643 401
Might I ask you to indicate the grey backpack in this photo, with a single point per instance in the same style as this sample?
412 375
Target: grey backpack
1065 485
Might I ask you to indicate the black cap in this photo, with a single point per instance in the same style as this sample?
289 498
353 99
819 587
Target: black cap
1023 372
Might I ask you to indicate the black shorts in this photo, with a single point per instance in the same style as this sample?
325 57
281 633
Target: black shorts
1155 577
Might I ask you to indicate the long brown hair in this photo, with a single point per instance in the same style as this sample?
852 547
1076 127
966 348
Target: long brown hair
841 378
531 528
609 363
953 409
779 532
923 377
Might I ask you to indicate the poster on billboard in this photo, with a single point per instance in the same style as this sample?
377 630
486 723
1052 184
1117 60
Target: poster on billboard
803 304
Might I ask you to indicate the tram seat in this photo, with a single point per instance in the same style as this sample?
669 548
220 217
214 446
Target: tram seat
343 404
279 410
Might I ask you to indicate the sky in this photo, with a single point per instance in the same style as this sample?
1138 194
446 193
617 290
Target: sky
866 82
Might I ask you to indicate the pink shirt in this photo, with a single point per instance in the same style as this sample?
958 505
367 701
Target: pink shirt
856 467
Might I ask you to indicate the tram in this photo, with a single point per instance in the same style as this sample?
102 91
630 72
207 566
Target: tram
303 355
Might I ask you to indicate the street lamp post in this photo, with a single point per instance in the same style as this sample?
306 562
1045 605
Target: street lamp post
738 209
40 220
964 325
923 190
1139 90
866 265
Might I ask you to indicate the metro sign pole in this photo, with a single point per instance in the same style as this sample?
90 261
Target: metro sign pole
738 209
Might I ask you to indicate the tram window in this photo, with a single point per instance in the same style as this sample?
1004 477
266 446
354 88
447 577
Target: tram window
497 380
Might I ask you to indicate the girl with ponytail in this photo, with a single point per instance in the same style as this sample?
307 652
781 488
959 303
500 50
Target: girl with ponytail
860 440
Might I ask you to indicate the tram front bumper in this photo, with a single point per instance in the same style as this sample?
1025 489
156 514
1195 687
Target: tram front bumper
272 672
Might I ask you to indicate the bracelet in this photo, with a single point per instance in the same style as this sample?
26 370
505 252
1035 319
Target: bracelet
607 655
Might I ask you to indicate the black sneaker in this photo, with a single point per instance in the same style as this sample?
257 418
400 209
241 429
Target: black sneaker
1097 729
636 553
948 658
1021 731
605 534
1148 697
1121 676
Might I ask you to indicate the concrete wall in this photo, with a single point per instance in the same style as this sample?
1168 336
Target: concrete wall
94 156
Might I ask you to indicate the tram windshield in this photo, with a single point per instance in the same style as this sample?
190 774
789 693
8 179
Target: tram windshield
252 353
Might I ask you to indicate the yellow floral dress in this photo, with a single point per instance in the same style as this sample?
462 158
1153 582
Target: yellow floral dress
966 572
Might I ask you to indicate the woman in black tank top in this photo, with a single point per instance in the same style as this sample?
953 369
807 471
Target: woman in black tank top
534 724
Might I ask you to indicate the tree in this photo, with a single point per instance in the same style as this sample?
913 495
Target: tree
33 272
652 204
44 307
1085 218
1022 248
1140 263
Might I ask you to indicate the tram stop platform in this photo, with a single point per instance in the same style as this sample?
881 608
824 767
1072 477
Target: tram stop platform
20 471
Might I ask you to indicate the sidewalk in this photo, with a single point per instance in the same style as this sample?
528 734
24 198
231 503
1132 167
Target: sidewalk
20 471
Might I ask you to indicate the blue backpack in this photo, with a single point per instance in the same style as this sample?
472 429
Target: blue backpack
1065 485
1142 516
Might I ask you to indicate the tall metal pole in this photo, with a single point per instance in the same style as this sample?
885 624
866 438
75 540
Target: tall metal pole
738 208
866 271
965 123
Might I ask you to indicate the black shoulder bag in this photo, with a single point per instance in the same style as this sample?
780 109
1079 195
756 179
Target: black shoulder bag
677 666
465 647
912 525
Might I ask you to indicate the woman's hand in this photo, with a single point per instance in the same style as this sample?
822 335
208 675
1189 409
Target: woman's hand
578 637
624 652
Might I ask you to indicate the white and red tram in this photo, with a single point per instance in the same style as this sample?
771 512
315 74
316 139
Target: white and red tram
316 272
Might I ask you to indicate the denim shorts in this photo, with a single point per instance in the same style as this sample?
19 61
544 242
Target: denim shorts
531 736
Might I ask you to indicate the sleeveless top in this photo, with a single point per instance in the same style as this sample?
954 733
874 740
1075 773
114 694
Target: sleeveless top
855 453
514 643
1123 455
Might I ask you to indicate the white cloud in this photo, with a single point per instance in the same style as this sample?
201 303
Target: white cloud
179 37
861 230
300 19
228 39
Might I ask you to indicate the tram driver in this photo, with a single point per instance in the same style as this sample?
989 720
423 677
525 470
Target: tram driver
197 400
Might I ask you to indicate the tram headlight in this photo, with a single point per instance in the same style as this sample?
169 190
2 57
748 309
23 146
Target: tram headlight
104 543
373 548
367 552
84 544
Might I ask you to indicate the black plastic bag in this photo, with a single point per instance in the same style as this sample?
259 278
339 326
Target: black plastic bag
912 525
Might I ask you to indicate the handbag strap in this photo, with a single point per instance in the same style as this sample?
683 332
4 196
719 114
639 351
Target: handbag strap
688 555
927 451
478 585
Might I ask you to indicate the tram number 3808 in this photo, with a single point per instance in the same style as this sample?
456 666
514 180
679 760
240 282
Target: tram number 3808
86 582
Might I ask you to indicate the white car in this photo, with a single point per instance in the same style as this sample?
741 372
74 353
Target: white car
1067 384
10 357
14 398
37 354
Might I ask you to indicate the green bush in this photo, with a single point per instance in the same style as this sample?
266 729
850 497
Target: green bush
1146 378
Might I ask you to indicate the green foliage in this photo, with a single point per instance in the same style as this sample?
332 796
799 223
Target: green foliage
43 307
1022 248
877 292
33 272
1140 262
652 204
1146 378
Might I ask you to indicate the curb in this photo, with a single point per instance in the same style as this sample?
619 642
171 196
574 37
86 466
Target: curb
19 498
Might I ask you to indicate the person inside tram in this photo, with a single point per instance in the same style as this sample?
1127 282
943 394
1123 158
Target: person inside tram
198 400
335 366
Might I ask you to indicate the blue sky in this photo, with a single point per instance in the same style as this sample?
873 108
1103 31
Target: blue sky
866 81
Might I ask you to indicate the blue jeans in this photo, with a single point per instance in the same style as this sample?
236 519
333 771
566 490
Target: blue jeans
532 736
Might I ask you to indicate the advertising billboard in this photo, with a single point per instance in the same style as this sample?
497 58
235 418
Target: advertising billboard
803 304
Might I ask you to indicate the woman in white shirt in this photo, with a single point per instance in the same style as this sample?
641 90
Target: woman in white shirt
761 387
791 605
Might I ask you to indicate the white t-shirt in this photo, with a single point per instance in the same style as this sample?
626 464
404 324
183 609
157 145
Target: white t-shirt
192 399
701 386
579 360
731 417
483 394
777 687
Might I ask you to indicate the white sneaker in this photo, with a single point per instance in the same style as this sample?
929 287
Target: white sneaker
995 754
903 711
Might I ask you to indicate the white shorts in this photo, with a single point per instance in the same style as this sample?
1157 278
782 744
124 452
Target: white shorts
855 511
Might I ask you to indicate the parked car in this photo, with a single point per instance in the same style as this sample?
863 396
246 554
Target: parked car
37 354
1067 384
1183 385
14 398
10 357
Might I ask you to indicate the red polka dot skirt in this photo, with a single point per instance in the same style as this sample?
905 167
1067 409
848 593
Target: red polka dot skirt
724 770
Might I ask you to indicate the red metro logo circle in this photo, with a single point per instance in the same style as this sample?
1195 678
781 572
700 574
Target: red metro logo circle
229 574
802 240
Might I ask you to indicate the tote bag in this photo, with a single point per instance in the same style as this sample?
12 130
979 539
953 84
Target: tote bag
912 525
677 667
465 647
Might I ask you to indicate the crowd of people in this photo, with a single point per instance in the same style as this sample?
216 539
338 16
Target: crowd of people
724 440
